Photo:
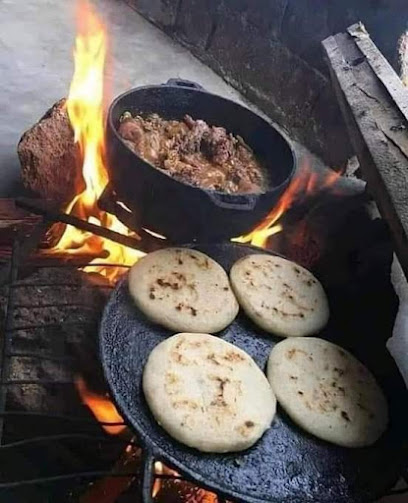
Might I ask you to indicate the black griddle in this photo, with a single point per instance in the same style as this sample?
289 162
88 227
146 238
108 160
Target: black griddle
287 465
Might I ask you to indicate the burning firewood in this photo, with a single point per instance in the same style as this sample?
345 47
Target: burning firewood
50 160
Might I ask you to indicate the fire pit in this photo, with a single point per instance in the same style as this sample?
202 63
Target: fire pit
62 436
51 365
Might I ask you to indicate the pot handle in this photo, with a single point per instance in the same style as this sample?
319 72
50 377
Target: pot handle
241 202
184 83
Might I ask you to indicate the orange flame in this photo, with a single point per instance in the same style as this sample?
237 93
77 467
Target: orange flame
105 411
186 491
305 183
85 111
101 407
161 469
158 470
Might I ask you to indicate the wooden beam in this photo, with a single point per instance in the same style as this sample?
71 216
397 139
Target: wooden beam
377 126
380 66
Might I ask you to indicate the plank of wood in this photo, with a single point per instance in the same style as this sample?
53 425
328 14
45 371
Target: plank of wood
378 131
382 68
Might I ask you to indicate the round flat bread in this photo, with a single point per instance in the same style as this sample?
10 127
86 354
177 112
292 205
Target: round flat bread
280 296
207 393
327 391
183 290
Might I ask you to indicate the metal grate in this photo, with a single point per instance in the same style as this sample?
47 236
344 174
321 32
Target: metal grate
146 476
86 430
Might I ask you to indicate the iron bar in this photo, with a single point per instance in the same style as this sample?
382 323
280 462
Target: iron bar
47 306
6 346
137 243
61 285
40 356
62 263
39 382
67 436
81 265
60 417
49 325
66 476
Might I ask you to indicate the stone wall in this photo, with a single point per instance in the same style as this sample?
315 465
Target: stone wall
270 50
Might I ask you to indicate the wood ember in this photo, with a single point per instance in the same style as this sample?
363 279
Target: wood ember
50 160
174 491
68 307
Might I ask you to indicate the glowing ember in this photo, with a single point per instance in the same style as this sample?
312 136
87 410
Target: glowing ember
305 183
85 110
101 407
109 488
403 54
158 470
161 469
174 488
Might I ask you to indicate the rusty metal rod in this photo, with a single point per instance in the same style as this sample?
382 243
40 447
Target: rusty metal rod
40 208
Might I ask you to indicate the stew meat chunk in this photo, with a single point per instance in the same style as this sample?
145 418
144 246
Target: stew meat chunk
194 152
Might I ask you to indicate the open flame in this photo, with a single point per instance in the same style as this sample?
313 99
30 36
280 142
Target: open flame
101 407
85 111
164 488
109 488
305 183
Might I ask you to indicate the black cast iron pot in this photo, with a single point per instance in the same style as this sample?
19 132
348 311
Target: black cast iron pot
178 210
